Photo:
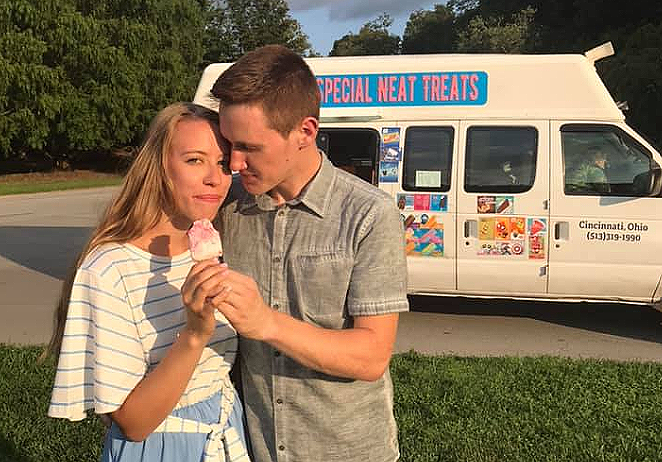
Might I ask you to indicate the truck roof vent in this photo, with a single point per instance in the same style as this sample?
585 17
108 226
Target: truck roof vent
599 52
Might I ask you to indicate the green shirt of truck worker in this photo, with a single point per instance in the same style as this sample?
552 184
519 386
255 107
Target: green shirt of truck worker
589 176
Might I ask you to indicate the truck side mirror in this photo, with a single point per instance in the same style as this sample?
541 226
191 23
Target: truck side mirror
649 183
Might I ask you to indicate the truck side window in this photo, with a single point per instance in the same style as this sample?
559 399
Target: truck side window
500 159
354 150
428 159
603 160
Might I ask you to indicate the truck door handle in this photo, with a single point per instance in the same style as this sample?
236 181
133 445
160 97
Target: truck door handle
470 228
561 231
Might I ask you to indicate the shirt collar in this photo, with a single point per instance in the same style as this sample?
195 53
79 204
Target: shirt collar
316 195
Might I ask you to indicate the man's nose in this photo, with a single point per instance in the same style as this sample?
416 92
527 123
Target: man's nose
237 161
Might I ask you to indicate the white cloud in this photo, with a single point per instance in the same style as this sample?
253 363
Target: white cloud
342 10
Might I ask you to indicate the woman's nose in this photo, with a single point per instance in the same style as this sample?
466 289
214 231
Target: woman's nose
214 173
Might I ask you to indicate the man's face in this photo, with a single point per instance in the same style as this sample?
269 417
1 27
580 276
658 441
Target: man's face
260 154
600 160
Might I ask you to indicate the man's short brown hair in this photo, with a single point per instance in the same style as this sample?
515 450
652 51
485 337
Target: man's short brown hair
275 79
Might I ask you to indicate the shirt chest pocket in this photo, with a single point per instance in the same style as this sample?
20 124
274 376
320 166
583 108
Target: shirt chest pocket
320 287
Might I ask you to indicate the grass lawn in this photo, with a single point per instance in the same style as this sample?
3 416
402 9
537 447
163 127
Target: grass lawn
20 183
447 408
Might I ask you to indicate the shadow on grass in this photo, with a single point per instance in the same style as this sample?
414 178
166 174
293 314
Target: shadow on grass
630 321
50 250
9 452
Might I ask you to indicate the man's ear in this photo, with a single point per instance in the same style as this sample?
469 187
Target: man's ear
308 132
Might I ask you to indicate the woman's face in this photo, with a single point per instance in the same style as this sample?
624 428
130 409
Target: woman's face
196 165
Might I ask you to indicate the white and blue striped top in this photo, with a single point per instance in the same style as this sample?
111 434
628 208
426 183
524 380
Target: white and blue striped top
125 312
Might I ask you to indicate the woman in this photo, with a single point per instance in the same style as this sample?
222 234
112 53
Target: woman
129 349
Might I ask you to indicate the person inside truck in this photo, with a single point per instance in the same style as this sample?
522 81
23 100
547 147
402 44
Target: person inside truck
589 176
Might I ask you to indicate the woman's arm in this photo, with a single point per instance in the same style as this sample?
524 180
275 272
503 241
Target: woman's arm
156 395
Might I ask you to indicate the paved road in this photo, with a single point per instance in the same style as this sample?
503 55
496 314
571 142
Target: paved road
40 235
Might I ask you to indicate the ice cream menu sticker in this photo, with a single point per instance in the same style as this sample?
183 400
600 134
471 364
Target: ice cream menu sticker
424 235
496 204
390 145
508 236
388 172
431 202
537 228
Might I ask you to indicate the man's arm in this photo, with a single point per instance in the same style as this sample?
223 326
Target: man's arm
361 352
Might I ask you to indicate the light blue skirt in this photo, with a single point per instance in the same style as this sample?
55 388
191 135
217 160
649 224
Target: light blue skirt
173 447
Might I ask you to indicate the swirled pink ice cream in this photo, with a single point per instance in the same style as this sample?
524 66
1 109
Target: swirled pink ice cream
204 241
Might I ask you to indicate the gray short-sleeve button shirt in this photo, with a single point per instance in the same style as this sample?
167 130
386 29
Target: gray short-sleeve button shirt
333 253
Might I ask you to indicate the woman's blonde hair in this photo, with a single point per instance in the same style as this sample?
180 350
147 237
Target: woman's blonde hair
144 196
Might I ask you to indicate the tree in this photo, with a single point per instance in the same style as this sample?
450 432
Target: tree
568 25
81 76
237 26
430 31
373 39
494 35
635 75
31 92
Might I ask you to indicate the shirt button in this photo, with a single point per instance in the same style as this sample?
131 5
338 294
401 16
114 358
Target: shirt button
279 401
281 213
276 259
276 353
276 306
281 448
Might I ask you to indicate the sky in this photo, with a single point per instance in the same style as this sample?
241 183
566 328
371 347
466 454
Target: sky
324 21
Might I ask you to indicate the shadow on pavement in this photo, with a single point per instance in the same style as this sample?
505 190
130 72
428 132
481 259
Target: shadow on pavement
50 250
630 321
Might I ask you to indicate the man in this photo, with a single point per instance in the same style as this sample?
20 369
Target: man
590 175
318 274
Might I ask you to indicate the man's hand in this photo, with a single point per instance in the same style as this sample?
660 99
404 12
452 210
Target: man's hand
241 303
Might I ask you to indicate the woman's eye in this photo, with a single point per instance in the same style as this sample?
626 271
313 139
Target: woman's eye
193 160
225 164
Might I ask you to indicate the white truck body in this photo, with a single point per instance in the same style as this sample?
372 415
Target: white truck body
482 154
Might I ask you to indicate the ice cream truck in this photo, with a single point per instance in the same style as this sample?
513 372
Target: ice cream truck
516 175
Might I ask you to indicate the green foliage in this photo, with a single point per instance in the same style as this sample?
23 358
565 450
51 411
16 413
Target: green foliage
373 39
81 76
495 35
569 26
30 91
235 27
635 75
430 31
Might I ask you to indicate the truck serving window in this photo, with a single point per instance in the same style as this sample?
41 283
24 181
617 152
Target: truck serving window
428 159
603 160
352 149
500 159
